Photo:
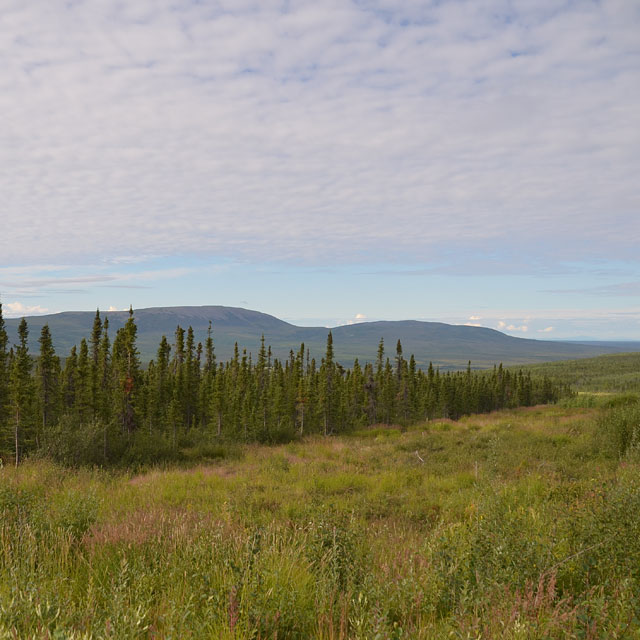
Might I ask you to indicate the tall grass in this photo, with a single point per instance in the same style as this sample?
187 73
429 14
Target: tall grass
520 524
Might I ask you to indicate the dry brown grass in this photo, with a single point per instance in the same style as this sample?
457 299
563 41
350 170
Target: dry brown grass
171 526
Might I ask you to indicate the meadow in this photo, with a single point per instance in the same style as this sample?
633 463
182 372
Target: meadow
522 523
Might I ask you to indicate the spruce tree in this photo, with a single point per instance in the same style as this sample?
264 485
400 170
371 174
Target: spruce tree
262 378
191 381
69 376
94 354
4 375
266 402
217 399
370 393
299 390
84 384
49 384
207 380
176 406
209 353
126 367
22 395
402 382
160 387
388 392
104 387
104 377
327 387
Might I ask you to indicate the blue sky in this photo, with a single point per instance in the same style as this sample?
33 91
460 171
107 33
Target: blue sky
327 162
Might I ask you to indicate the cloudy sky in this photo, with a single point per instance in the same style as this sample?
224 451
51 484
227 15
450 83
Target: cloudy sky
326 161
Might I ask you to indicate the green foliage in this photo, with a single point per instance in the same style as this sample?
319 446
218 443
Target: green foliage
522 523
4 386
511 525
127 386
75 443
49 382
74 511
619 428
618 373
104 409
22 397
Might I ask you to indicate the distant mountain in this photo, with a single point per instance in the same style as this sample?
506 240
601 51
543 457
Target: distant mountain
447 346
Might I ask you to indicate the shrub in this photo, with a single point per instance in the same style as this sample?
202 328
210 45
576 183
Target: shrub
84 444
619 429
75 512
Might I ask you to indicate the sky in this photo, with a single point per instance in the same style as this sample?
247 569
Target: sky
325 161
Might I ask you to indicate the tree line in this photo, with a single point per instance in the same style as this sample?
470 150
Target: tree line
102 406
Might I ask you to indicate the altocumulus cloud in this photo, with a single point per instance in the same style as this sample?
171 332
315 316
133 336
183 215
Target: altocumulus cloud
17 309
306 132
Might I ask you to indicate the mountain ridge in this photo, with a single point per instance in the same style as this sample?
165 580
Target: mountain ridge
446 345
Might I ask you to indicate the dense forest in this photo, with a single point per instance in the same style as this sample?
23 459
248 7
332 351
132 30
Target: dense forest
619 373
102 406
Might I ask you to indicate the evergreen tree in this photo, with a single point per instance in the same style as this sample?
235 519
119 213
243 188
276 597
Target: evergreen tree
94 354
412 383
160 392
298 388
402 382
327 387
388 392
22 395
217 399
209 353
126 367
70 375
84 383
207 380
371 406
48 379
103 403
262 374
4 375
176 406
269 402
191 381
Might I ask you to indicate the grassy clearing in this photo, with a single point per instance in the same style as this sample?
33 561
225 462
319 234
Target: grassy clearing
517 524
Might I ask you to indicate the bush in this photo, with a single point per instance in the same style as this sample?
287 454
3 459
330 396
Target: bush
84 444
75 511
619 429
146 448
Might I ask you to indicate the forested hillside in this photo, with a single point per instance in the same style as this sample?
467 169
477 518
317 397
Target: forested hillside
446 346
608 373
102 406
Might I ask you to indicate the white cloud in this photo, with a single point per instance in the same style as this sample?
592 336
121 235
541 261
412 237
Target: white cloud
506 326
471 318
586 323
326 131
17 310
357 319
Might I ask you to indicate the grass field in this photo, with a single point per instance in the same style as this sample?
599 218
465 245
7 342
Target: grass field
517 524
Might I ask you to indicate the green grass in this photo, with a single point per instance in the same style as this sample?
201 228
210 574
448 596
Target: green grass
518 524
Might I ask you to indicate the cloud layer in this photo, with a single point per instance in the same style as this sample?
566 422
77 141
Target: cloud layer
306 132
